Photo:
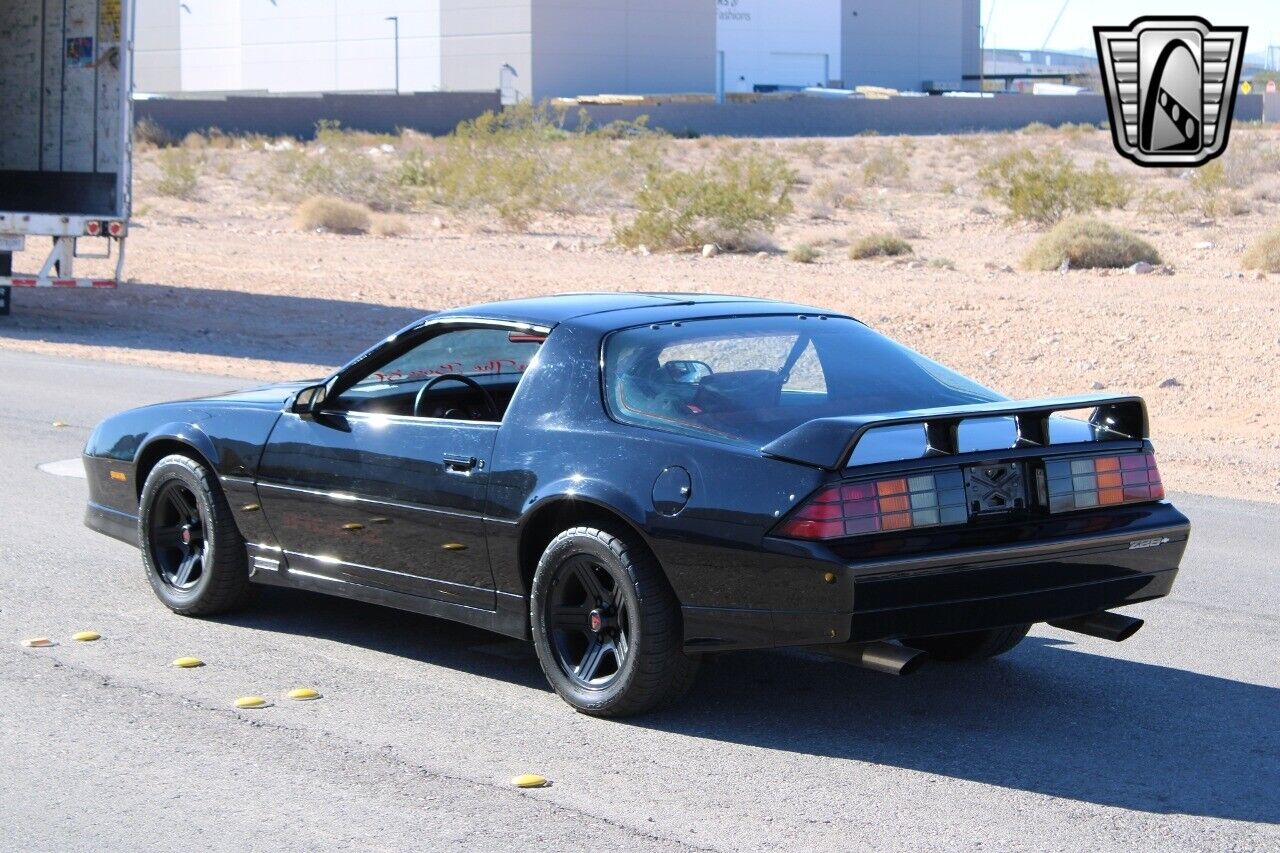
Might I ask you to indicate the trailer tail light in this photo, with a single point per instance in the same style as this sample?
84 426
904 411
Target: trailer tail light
93 228
1102 481
898 503
115 229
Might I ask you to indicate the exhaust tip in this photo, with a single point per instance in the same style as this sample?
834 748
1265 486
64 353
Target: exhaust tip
1104 625
913 663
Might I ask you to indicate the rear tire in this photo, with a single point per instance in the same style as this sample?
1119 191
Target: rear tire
973 645
192 550
632 660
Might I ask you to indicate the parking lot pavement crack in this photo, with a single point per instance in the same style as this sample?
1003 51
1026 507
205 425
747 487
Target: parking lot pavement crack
385 754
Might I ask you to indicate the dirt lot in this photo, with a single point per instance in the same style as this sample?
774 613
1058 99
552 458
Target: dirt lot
225 283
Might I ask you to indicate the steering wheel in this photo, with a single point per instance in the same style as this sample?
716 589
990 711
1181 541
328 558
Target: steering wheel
465 380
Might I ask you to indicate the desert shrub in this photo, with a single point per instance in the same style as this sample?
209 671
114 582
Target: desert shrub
1044 187
811 149
885 167
1086 243
179 173
832 193
804 253
879 245
738 196
341 171
1158 202
1208 186
522 160
1037 127
1265 253
333 214
390 225
941 264
147 133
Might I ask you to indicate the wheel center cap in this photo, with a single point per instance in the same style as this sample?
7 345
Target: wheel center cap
596 621
186 535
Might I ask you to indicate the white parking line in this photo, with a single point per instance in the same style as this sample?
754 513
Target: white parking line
64 468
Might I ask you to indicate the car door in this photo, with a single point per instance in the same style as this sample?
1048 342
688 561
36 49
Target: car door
364 490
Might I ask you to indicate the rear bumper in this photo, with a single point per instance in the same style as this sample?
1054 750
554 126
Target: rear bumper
964 591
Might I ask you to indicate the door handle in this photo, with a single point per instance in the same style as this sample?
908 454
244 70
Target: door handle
459 463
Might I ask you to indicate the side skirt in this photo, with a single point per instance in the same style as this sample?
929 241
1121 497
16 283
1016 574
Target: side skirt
268 566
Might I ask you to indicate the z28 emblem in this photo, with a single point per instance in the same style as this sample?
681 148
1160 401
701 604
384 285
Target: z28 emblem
1148 543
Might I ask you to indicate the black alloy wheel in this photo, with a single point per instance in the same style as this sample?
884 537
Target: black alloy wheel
607 625
588 618
195 558
176 536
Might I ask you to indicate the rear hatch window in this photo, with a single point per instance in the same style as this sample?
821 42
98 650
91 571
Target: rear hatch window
753 379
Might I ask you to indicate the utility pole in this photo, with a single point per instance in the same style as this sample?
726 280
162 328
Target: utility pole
395 20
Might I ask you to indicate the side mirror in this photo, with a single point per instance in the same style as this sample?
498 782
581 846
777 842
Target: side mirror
308 400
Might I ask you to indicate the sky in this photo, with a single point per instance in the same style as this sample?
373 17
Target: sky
1025 23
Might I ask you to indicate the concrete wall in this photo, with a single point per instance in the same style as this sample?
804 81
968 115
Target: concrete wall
436 113
439 112
820 117
622 47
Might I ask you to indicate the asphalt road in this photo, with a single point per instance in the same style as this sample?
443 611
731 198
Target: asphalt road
1169 741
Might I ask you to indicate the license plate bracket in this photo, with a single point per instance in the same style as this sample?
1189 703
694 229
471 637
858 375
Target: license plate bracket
12 242
995 488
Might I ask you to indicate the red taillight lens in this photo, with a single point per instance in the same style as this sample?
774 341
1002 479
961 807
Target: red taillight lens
92 228
115 229
1102 481
900 503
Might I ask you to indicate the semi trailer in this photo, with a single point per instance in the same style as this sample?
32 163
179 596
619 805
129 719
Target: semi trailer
66 140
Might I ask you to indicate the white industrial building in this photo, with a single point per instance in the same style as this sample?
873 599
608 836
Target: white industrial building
911 45
552 47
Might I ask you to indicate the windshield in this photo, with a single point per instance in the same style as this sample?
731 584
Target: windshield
752 379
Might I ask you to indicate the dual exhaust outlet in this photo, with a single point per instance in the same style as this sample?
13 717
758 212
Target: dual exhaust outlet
903 660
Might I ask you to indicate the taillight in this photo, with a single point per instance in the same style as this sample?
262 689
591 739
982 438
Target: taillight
93 228
899 503
115 229
1102 481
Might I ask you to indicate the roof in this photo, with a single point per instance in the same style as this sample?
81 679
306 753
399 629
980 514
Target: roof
561 308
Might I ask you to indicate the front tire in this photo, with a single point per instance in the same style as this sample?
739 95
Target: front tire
606 625
973 645
191 548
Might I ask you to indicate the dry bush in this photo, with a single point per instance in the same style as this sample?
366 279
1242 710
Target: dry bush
1044 187
803 253
146 133
814 150
336 215
833 193
522 160
880 245
179 173
1208 186
390 225
1157 202
886 167
941 264
1085 243
738 197
1036 127
1265 253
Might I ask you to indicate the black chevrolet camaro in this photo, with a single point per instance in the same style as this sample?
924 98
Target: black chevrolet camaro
635 480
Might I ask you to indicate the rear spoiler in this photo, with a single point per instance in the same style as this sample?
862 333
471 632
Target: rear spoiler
830 442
